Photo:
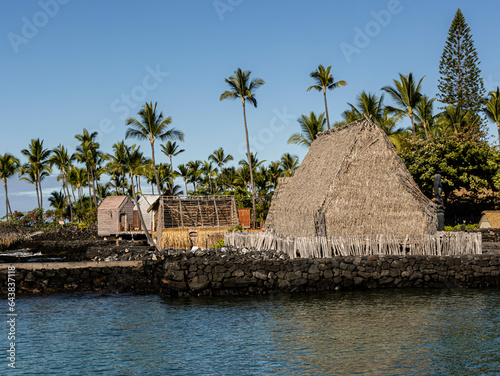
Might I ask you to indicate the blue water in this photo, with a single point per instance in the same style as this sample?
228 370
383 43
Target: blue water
384 332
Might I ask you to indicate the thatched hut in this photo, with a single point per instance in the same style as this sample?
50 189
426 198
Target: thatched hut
490 219
115 215
182 221
351 182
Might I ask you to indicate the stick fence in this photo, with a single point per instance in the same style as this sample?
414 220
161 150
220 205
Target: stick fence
439 244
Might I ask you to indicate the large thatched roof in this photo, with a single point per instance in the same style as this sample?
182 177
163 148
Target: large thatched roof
351 182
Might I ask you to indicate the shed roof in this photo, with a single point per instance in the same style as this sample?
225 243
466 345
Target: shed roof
113 202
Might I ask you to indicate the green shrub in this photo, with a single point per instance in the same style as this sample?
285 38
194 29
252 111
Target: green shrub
219 244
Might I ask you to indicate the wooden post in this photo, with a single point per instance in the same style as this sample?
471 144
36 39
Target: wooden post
216 212
180 214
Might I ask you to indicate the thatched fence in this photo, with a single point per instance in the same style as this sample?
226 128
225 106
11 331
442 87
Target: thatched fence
439 244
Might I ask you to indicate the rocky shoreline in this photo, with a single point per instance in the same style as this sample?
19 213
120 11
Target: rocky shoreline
70 260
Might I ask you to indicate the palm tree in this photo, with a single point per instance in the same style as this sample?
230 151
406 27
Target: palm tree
227 178
38 166
88 154
115 165
324 80
405 94
8 167
183 172
151 127
209 172
274 171
310 126
58 200
194 172
167 177
290 163
366 104
171 149
133 160
77 178
220 158
424 113
62 160
240 86
457 120
492 108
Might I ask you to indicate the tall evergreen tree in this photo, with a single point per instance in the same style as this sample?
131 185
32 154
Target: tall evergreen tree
460 84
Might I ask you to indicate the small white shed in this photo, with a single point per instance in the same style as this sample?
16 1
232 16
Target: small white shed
145 201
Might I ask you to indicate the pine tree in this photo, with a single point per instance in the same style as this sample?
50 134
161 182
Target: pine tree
460 84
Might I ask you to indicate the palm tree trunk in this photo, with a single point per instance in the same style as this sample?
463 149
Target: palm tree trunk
326 109
41 193
424 123
498 127
37 194
90 190
65 187
148 235
7 205
94 188
254 212
186 185
413 126
154 166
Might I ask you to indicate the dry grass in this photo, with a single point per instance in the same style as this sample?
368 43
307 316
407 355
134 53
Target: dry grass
178 238
7 240
207 237
351 182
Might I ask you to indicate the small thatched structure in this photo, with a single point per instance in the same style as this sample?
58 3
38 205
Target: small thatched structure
182 221
351 182
115 215
490 219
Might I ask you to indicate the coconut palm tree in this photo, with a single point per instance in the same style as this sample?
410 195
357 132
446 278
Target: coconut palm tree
324 80
210 173
171 149
366 104
242 87
32 173
456 119
406 94
183 172
62 160
194 172
57 200
152 126
115 166
290 163
134 159
88 154
274 171
8 167
77 178
227 178
310 127
424 114
492 108
167 177
38 165
220 158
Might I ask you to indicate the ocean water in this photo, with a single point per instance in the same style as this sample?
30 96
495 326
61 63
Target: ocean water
382 332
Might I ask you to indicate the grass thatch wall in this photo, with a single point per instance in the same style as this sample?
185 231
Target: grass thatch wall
352 182
180 238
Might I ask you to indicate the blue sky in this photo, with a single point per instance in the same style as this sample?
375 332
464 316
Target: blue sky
68 65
